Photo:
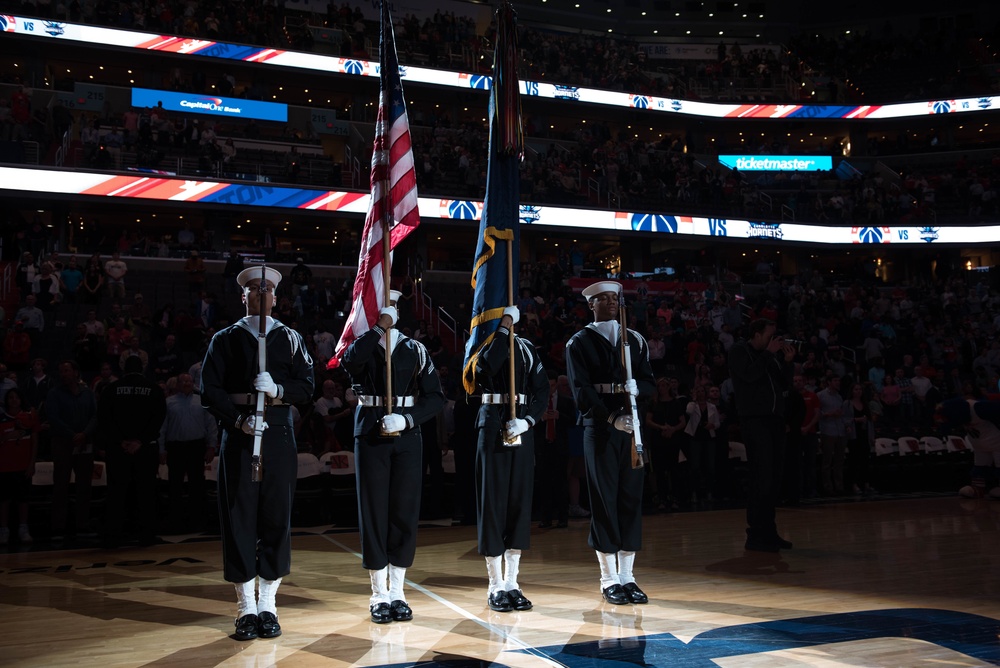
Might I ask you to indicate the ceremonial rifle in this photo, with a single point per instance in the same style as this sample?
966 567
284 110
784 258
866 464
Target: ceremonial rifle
256 468
627 366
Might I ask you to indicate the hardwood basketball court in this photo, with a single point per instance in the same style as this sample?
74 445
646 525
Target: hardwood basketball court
907 582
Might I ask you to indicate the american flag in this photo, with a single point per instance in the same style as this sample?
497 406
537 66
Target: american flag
394 194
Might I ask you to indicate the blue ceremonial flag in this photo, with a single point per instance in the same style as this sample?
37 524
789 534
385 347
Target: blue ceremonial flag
500 221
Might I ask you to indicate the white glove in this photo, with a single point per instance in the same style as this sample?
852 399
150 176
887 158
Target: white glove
393 423
624 423
513 312
631 387
515 428
264 383
391 312
249 423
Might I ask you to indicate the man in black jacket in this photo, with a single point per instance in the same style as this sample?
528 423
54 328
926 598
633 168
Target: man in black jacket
130 412
388 455
762 379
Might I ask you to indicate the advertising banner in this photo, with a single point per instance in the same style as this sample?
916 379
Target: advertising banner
16 179
778 163
203 48
192 103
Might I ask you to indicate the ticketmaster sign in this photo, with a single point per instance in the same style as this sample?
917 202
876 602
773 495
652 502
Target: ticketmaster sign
216 106
778 163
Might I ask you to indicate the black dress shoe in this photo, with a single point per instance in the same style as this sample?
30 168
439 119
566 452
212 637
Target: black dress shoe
545 524
247 627
615 594
562 524
635 595
782 543
269 626
500 602
400 611
761 545
381 613
517 600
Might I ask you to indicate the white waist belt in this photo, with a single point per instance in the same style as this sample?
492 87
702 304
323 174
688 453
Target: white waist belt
503 399
609 388
397 402
250 399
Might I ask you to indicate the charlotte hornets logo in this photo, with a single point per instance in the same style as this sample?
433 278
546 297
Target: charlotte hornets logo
54 29
941 106
765 231
929 234
530 214
566 93
984 102
676 105
639 101
871 235
650 222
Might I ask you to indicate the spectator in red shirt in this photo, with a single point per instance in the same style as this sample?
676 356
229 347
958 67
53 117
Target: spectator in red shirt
117 339
20 111
18 448
17 347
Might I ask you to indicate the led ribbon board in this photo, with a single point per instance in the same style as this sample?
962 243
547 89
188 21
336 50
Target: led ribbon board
192 103
165 189
10 24
778 163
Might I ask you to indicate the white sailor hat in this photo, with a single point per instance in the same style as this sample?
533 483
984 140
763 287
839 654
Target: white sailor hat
394 296
595 289
271 275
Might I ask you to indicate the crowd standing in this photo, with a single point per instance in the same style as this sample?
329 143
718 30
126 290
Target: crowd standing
874 360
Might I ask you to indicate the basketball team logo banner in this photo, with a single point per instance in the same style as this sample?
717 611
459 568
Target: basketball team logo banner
175 189
33 27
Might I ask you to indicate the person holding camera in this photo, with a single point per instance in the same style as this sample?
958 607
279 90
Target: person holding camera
761 367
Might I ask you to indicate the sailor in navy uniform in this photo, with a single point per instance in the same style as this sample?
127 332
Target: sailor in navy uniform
505 473
388 455
256 516
596 374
